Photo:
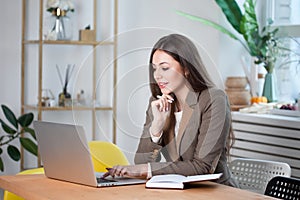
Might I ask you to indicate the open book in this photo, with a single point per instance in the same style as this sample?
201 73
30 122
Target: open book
177 181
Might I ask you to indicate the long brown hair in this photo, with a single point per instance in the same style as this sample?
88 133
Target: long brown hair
186 54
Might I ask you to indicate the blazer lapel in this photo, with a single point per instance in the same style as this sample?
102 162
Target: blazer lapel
172 147
186 115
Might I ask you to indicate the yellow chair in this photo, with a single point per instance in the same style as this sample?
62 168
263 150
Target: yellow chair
106 154
10 196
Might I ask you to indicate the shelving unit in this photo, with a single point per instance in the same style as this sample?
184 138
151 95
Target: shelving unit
40 44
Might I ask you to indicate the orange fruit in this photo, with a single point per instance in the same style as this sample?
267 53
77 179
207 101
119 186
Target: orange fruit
260 99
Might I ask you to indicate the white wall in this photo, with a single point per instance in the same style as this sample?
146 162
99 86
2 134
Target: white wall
141 24
10 62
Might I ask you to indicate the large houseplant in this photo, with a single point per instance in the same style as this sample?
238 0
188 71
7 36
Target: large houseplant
260 42
16 130
257 41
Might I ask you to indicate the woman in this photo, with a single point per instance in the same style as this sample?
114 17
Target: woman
188 120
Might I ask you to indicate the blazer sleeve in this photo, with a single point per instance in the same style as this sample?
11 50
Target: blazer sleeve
204 153
147 150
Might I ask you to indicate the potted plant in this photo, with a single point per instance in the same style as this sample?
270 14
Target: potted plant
261 43
16 130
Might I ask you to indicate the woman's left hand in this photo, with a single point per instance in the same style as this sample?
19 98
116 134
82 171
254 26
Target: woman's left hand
139 171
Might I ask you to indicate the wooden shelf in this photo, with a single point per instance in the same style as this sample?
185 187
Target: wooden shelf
66 108
35 59
67 42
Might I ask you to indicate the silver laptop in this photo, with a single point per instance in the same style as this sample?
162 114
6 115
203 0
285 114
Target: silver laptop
65 156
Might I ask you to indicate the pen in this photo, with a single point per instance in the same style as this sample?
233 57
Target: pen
168 100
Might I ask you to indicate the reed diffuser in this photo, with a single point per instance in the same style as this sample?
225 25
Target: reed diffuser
65 98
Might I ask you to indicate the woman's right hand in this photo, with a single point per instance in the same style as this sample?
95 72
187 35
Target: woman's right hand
161 110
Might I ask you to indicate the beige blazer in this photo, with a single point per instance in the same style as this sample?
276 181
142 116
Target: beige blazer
200 147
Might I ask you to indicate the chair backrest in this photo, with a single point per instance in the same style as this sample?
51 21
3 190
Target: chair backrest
10 196
284 188
254 175
106 154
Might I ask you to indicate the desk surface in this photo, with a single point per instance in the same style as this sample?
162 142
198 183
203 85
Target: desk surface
38 187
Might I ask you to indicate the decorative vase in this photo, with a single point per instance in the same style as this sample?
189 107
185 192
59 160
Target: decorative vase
58 26
64 98
254 73
269 90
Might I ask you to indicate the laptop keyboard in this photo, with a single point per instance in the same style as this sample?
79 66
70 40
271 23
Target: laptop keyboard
103 180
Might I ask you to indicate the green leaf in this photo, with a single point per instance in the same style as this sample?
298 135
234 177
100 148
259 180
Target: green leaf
10 116
13 152
31 131
250 28
6 128
208 22
232 12
29 145
1 165
212 24
26 119
2 138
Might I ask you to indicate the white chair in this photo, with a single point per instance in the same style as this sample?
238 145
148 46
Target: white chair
254 174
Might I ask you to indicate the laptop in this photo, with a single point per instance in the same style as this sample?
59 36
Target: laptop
65 156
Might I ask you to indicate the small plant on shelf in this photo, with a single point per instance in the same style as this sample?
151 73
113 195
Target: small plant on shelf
16 130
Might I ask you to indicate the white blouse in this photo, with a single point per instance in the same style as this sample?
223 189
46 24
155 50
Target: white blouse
178 116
